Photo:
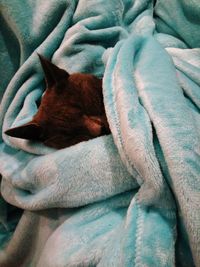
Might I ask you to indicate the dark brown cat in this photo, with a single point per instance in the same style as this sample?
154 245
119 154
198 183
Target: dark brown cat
71 110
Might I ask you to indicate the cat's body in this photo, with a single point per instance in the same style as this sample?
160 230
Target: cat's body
71 110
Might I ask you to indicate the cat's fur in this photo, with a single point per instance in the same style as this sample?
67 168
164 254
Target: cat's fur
71 110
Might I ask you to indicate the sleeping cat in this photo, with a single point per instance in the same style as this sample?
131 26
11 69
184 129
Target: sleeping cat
71 110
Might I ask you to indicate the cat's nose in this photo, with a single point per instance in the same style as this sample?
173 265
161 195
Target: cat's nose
96 125
93 125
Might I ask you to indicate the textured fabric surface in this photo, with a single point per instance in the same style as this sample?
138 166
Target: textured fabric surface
128 199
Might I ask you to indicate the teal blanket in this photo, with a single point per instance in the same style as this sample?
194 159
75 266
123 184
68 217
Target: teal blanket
128 199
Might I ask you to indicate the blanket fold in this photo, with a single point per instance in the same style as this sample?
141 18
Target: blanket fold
127 199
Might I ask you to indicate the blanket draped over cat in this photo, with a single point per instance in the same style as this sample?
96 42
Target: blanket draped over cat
129 198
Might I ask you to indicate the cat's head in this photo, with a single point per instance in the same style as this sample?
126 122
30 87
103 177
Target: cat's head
70 111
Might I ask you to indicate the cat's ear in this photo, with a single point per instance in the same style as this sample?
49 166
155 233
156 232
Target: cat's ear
53 74
30 131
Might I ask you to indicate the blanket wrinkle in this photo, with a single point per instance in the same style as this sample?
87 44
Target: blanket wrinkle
127 199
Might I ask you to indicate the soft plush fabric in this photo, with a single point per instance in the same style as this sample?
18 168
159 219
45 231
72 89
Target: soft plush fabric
128 199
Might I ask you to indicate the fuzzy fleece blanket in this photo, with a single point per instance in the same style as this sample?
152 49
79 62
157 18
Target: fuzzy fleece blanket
128 199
